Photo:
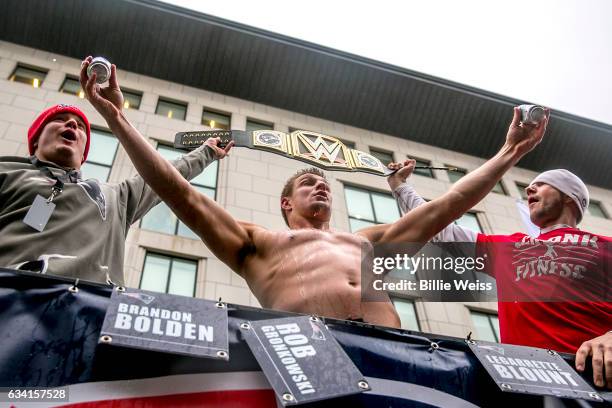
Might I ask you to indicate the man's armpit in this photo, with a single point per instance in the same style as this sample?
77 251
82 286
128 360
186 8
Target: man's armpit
373 233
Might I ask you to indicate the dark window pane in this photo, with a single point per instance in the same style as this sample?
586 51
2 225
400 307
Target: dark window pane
155 273
171 109
29 75
131 99
423 172
252 125
407 313
455 175
71 85
215 120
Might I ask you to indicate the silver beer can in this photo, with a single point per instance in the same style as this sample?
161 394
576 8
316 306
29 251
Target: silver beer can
532 114
102 67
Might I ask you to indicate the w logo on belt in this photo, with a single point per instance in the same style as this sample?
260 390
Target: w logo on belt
325 150
319 148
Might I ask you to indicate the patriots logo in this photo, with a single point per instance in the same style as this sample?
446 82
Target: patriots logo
143 297
93 190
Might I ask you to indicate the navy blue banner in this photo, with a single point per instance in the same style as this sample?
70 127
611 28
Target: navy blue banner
49 337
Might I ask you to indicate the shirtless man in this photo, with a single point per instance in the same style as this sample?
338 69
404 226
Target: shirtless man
310 268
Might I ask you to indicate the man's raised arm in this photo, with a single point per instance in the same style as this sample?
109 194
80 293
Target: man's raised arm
225 236
424 222
408 199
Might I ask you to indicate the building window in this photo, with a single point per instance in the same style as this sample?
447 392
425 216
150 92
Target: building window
407 312
597 210
215 120
131 98
367 208
469 221
383 156
252 125
522 188
423 172
486 326
455 175
161 218
171 109
29 75
72 86
168 274
499 188
102 152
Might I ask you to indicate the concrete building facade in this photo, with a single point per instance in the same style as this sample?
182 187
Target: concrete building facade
248 183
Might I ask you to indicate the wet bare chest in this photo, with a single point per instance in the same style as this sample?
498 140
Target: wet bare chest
311 251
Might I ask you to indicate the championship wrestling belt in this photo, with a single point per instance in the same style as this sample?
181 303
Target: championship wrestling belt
326 152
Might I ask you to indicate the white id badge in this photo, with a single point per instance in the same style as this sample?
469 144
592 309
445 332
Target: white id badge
39 213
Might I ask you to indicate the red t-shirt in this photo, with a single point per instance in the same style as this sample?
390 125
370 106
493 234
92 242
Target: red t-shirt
537 268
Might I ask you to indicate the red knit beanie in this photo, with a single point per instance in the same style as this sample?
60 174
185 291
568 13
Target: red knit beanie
42 119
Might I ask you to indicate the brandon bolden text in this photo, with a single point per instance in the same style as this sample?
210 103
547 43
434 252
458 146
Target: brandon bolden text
163 322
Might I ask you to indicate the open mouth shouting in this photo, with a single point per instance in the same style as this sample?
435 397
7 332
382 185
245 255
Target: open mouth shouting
321 195
70 135
531 200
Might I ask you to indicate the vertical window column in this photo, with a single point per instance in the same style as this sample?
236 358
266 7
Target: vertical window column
486 326
407 312
102 152
168 274
367 208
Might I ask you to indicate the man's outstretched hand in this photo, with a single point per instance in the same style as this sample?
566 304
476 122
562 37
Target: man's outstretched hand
108 100
405 170
523 137
219 152
600 348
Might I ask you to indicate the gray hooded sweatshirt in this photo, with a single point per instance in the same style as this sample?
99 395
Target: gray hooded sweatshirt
85 236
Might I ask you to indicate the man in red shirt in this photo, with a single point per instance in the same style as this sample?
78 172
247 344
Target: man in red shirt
557 200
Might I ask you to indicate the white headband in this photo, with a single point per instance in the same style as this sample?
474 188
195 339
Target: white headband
569 184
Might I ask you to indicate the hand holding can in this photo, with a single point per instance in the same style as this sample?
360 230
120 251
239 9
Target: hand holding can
532 114
102 68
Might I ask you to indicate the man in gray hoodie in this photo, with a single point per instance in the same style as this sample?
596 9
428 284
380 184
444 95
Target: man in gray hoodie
52 221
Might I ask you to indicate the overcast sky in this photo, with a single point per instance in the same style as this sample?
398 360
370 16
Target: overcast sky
552 52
